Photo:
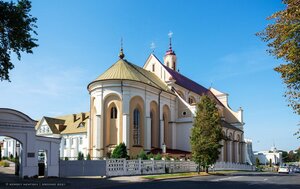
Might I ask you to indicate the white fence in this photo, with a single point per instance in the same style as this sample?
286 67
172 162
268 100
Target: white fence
119 167
220 166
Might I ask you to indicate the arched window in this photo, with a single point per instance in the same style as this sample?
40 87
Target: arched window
113 113
136 127
192 100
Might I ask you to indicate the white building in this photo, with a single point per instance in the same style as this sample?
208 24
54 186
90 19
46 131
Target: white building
147 107
272 155
71 129
10 147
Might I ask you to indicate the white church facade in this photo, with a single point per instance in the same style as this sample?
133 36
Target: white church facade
152 106
148 108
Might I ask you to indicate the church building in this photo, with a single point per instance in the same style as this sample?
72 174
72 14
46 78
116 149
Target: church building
153 107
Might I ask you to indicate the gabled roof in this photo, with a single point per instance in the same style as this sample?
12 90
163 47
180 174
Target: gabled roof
186 82
124 70
68 124
191 85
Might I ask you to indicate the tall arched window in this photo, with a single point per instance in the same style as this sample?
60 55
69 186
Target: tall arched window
113 113
136 127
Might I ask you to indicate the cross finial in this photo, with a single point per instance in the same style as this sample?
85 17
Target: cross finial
152 46
170 34
121 54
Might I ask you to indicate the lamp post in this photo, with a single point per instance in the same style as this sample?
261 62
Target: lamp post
164 148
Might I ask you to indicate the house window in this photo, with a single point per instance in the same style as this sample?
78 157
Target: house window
136 127
65 142
71 141
80 140
153 67
113 113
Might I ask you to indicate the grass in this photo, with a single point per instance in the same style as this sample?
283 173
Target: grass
190 174
4 164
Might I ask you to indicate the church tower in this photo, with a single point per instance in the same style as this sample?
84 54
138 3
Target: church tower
170 56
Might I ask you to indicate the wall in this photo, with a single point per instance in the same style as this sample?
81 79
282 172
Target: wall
183 132
82 168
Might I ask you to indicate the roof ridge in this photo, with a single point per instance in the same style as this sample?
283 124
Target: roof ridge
145 76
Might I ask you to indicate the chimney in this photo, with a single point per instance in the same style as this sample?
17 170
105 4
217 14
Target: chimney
74 118
83 116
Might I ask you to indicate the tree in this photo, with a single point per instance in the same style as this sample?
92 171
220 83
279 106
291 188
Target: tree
88 157
283 38
206 133
257 162
16 30
80 156
142 155
120 151
0 152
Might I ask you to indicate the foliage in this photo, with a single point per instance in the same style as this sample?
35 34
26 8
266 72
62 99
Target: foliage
291 156
16 29
11 156
206 133
4 164
283 38
66 159
80 156
158 156
270 163
257 162
142 155
150 156
88 157
120 151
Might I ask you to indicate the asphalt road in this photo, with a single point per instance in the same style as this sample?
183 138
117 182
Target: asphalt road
236 181
231 181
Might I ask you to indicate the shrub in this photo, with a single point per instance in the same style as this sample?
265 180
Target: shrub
142 155
11 156
66 158
80 156
120 151
4 164
150 156
158 156
88 157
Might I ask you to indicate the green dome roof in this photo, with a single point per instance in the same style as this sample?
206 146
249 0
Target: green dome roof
124 70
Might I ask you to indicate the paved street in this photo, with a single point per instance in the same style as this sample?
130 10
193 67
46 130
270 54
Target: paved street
244 180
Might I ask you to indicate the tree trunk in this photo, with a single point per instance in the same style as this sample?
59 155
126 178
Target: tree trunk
206 169
198 168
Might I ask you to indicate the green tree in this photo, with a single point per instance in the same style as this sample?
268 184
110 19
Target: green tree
88 157
120 151
283 38
16 30
142 155
0 153
158 156
80 156
206 133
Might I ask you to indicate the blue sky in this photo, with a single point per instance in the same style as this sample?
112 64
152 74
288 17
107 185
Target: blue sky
214 41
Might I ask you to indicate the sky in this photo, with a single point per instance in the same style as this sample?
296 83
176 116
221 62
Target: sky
214 41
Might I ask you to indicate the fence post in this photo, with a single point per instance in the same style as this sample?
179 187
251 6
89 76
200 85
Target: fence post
125 168
140 166
153 166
